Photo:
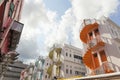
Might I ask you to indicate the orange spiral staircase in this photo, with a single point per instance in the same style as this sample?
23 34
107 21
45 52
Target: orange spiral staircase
93 44
88 57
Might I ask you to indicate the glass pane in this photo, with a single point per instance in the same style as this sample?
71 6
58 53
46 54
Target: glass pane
11 7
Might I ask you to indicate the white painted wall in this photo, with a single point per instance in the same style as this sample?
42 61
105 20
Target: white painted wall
110 31
70 62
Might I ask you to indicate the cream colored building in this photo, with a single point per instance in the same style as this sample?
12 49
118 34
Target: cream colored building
72 64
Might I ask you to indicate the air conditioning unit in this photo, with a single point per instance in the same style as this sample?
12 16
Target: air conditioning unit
17 26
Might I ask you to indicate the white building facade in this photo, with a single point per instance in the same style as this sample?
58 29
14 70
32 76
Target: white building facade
73 64
102 46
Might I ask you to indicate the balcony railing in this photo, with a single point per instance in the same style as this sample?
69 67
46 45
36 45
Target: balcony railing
88 21
106 67
99 70
94 43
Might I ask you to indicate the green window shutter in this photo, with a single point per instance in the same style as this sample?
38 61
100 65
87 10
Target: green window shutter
0 1
12 6
11 9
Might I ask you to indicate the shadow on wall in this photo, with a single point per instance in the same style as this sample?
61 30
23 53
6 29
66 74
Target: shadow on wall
115 67
112 52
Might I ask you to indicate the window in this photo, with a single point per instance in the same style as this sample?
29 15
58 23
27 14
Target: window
66 54
116 33
70 71
90 35
112 31
76 72
11 9
47 63
66 71
78 57
119 47
70 55
82 73
45 76
96 31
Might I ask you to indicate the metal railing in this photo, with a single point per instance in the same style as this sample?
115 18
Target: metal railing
99 70
106 67
88 21
94 41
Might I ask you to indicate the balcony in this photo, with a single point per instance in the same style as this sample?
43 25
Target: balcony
95 43
106 67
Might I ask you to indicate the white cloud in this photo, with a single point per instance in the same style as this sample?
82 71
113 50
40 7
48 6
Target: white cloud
59 33
37 22
93 8
42 30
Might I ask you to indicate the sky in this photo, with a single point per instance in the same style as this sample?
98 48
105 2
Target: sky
49 22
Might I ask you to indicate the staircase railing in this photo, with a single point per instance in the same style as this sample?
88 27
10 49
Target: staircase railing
106 67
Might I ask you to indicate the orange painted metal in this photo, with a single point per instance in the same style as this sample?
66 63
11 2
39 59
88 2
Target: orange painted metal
85 30
103 56
96 60
91 60
98 45
88 58
88 61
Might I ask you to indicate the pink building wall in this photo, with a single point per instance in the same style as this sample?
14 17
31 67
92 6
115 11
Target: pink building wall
7 20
